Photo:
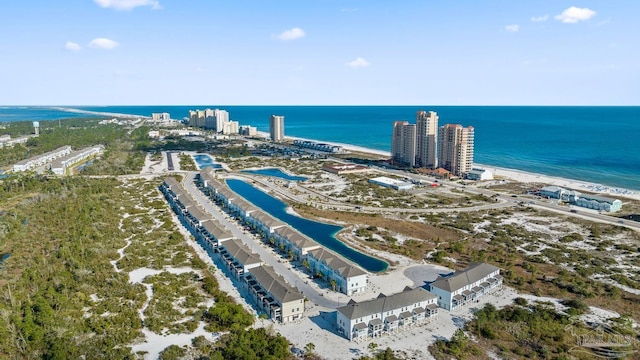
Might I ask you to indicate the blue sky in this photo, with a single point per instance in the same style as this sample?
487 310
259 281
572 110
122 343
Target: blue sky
333 52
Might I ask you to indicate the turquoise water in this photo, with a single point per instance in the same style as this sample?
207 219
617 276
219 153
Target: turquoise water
274 172
597 144
324 234
205 161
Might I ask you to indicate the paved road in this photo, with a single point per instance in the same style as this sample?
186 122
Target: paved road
280 266
330 203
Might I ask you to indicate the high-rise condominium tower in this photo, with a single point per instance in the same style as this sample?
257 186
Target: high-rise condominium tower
215 119
276 128
426 139
455 148
403 143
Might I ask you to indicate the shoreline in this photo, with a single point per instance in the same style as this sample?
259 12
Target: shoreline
517 175
522 176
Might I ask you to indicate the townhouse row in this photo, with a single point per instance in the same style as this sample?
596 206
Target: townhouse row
271 294
466 285
60 165
388 314
344 276
40 160
385 314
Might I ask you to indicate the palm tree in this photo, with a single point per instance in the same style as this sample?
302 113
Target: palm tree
333 284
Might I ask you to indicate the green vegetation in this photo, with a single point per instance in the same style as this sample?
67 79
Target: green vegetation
187 163
62 298
120 157
250 344
459 347
522 331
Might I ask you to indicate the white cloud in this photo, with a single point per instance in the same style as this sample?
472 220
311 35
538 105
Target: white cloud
291 34
103 43
358 63
71 46
542 18
128 4
512 28
573 15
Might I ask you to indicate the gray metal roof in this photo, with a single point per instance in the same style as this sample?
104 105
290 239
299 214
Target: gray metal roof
384 303
267 219
198 212
241 252
598 198
295 237
185 200
275 285
462 278
337 263
245 205
217 230
172 183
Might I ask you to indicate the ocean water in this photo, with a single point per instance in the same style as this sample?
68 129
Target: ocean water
597 144
323 233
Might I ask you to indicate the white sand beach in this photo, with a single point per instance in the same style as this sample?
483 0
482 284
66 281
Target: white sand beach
512 174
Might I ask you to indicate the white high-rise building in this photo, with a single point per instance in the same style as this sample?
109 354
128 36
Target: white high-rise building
196 118
403 143
426 139
276 128
160 116
231 128
215 119
455 148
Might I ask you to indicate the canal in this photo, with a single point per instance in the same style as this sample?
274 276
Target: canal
322 233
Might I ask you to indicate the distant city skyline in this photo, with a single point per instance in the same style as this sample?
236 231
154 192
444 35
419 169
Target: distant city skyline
347 52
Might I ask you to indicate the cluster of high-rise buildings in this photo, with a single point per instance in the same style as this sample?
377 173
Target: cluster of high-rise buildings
216 120
427 145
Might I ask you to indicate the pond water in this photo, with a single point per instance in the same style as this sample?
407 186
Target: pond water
274 172
324 234
3 257
204 161
82 166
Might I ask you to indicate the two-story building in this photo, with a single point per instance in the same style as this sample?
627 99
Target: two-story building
238 258
385 314
346 277
273 295
292 240
466 285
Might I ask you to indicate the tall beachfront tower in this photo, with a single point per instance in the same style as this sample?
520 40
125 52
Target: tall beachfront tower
403 144
215 119
455 148
427 139
276 128
196 118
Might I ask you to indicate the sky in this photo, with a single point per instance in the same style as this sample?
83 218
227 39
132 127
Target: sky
319 52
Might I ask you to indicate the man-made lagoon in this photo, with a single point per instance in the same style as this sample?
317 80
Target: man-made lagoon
204 160
324 234
274 172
